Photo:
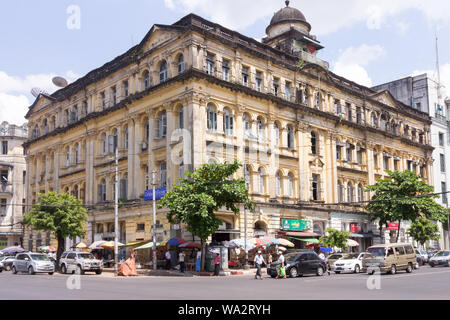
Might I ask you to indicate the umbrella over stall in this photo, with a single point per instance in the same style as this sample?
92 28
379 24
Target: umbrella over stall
190 244
97 245
175 242
12 250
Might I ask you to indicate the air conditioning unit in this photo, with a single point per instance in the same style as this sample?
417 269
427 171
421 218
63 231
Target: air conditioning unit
144 145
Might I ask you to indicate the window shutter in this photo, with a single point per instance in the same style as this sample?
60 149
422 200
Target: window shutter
123 189
99 193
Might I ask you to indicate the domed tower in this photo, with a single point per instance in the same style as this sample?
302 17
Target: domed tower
290 32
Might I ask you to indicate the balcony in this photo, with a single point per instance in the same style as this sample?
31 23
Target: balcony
309 58
6 188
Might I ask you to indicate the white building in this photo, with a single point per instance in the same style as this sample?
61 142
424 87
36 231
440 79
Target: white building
12 184
422 92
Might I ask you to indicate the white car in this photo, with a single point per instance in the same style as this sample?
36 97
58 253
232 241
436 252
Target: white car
442 258
351 262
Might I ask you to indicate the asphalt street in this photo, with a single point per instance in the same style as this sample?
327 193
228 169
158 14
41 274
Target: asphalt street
425 283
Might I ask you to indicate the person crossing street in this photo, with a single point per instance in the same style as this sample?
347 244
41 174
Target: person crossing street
259 260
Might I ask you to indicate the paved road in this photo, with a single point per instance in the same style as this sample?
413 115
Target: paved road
426 283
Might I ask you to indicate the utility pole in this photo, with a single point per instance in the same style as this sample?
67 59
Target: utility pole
116 209
155 266
245 228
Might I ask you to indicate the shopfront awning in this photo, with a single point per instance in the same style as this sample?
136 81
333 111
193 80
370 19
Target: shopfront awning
310 240
298 234
364 235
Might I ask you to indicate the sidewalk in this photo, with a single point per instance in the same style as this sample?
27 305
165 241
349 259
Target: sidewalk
176 273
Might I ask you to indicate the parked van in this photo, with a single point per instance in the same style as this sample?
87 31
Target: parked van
390 257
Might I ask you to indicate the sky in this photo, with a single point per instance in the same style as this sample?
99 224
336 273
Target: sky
369 42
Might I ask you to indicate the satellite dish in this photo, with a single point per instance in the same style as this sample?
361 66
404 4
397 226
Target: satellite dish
60 82
36 92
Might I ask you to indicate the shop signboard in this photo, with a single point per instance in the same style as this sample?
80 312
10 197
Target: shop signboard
296 224
354 228
159 194
392 226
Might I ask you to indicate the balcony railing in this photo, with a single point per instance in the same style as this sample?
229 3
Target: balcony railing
312 59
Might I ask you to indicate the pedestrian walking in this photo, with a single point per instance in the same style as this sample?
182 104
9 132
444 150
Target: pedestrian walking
181 257
168 257
322 257
259 260
281 273
198 262
216 264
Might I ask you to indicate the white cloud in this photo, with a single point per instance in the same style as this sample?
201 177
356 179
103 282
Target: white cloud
15 96
351 62
326 16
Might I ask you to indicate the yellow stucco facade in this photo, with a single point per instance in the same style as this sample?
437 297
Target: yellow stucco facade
195 92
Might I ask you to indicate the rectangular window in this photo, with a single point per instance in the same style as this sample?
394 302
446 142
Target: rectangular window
245 76
348 109
409 165
163 169
338 152
337 105
3 207
397 165
287 91
349 153
4 147
4 176
114 95
441 139
23 206
275 86
140 227
315 187
103 101
375 159
258 81
359 156
225 70
358 116
125 88
442 157
444 195
210 64
386 163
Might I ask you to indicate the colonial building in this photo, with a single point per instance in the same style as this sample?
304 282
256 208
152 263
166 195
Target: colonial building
12 183
423 93
195 92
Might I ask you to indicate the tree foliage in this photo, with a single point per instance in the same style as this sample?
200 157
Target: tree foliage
423 230
403 197
61 214
334 238
203 192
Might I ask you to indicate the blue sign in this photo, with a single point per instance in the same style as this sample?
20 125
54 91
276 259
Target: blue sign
159 193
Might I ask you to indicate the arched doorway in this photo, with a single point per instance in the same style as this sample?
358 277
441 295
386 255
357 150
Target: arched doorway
260 229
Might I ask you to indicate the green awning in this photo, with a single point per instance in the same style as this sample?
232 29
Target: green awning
311 240
147 246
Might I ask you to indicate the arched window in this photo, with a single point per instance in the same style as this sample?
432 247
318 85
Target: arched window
181 118
212 117
261 181
290 136
291 185
247 177
104 143
260 128
125 138
247 128
163 72
276 130
180 64
313 143
278 183
350 192
77 153
384 123
360 193
67 156
102 191
228 123
112 141
146 80
162 127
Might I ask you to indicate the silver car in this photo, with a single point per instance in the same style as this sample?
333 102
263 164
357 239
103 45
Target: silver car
80 262
32 263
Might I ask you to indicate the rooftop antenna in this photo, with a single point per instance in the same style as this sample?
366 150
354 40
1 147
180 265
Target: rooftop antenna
438 70
37 91
60 82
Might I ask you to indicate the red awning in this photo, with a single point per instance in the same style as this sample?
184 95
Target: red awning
298 234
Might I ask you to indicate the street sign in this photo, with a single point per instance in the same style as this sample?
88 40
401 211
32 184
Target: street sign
392 226
296 224
159 193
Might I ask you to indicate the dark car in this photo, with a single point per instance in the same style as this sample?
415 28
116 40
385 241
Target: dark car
8 262
300 263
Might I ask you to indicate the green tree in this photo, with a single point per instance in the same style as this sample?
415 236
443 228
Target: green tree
423 230
61 214
202 193
334 238
403 197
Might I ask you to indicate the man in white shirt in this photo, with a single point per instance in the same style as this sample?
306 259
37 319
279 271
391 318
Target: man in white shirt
181 260
259 260
280 265
168 257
